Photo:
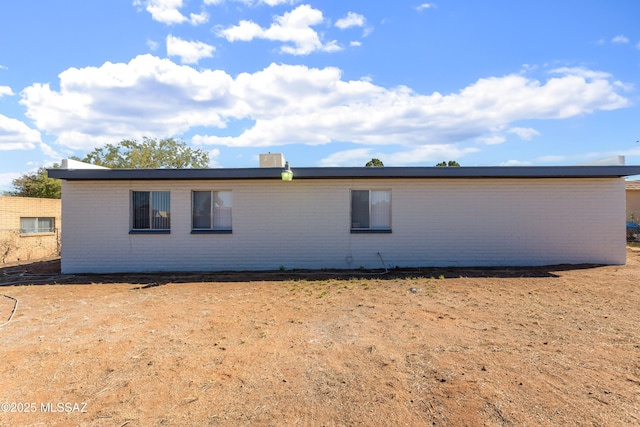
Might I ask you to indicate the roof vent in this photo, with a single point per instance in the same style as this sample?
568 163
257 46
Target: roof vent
609 161
272 160
75 164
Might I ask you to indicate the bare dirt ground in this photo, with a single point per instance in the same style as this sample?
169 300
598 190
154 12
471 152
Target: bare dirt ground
460 347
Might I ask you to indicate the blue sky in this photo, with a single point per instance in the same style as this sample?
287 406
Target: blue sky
327 83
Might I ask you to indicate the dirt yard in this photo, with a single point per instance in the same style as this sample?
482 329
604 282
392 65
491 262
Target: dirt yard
464 347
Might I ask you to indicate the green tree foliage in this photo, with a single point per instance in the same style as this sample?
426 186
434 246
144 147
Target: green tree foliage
36 184
449 163
150 153
374 163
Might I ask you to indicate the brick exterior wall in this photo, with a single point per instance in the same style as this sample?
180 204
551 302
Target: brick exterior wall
633 201
306 224
17 247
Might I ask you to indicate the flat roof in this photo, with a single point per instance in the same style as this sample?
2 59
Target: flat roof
349 173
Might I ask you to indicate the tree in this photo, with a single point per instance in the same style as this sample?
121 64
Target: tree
150 153
374 163
36 184
451 163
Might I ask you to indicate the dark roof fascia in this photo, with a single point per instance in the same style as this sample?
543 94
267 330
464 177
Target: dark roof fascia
349 173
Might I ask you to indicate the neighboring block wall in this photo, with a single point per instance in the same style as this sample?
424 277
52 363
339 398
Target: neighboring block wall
633 201
306 224
15 247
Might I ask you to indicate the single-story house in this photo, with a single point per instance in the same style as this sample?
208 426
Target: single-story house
29 229
633 210
141 220
633 201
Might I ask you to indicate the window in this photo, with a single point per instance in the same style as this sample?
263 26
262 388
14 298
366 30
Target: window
370 211
150 211
211 212
37 225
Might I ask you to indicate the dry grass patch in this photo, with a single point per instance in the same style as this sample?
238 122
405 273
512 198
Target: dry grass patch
524 347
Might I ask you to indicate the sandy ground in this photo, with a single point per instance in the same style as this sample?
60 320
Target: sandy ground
466 347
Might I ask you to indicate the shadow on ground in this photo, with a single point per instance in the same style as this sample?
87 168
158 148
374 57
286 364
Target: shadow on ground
48 272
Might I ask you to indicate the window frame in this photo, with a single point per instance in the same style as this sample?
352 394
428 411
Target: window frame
369 229
212 214
36 231
151 229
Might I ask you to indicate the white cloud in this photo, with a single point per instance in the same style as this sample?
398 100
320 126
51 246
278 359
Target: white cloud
355 43
624 86
198 18
351 20
147 96
6 180
189 52
551 159
424 6
581 72
516 163
295 104
245 31
526 134
153 45
273 2
293 27
427 155
620 39
316 106
492 139
424 155
591 75
6 91
168 12
253 2
353 157
332 46
214 155
15 135
48 151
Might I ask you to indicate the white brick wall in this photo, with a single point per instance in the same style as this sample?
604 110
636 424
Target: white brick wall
305 224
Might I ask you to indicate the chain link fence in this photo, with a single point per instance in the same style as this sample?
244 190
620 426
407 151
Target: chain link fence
633 225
